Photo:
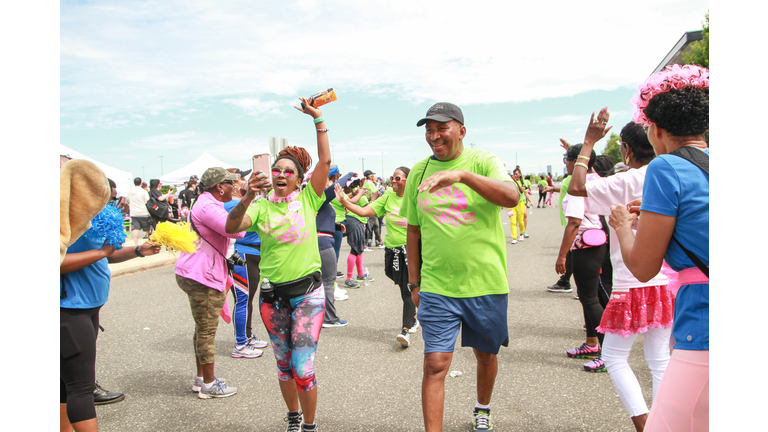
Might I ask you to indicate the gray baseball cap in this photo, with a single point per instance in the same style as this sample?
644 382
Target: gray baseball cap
443 112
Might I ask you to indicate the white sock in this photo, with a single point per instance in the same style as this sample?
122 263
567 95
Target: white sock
208 386
481 406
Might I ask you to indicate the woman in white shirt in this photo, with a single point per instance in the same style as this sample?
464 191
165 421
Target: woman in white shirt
635 307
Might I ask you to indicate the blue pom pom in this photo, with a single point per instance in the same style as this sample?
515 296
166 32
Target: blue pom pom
108 224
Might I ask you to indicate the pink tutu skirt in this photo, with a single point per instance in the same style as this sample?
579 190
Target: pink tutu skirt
635 311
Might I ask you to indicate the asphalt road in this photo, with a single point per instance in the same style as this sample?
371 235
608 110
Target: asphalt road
366 381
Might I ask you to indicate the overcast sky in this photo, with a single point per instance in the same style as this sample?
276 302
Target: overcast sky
140 80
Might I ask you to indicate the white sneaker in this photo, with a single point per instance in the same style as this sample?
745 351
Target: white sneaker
404 338
340 297
521 238
414 328
246 351
339 291
256 342
514 242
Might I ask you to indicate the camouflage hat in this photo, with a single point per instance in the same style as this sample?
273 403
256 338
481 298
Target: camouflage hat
213 176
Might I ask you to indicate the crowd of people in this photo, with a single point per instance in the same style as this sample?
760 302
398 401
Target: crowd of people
635 240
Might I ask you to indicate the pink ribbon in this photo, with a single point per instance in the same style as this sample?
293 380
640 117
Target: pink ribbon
226 315
687 276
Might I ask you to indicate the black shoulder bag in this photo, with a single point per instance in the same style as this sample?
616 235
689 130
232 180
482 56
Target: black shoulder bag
701 160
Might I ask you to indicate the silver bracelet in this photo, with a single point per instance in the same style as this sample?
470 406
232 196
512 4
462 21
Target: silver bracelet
322 130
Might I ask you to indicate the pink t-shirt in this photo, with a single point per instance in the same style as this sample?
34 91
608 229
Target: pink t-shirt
208 266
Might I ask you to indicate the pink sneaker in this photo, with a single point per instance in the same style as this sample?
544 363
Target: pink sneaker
584 351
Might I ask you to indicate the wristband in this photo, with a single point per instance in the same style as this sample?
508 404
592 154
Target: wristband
581 164
322 130
319 120
583 157
138 254
411 287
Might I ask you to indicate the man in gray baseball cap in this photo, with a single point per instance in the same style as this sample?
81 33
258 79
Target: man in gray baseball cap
457 258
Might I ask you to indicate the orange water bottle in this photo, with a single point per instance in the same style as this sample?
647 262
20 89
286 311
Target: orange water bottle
322 98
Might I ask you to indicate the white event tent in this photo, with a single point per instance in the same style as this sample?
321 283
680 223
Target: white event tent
197 167
123 179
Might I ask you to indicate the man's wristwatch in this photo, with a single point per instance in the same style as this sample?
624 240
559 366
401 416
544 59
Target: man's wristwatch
137 252
412 286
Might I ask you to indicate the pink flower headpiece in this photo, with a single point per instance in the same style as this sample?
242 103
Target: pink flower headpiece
672 77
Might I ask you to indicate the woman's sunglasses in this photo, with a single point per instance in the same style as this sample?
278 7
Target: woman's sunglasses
398 178
288 172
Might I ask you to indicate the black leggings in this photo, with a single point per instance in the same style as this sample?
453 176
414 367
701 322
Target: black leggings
79 329
586 273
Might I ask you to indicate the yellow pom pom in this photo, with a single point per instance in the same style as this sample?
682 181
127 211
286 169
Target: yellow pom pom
175 237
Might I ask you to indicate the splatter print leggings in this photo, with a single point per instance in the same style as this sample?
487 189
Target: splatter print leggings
294 332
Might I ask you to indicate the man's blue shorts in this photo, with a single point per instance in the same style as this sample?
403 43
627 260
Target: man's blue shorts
483 322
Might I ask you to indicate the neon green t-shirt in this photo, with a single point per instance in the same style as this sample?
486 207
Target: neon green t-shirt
522 194
463 245
288 233
397 225
371 186
341 212
362 203
563 190
542 183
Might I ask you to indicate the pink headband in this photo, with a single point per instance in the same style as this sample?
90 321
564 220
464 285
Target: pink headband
672 77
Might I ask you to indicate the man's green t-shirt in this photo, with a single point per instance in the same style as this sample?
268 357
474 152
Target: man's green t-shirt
371 186
463 245
397 225
288 233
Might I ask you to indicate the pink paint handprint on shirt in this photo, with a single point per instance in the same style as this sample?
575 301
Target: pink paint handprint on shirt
447 206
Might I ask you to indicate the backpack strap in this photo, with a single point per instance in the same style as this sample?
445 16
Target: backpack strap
694 156
701 160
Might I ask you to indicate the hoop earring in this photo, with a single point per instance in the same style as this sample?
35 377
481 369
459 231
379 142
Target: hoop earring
221 192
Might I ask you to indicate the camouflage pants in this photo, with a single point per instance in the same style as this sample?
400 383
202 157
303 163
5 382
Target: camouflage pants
206 304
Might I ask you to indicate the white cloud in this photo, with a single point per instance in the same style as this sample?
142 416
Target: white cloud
255 106
468 52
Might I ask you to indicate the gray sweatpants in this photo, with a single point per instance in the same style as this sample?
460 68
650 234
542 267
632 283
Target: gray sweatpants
328 269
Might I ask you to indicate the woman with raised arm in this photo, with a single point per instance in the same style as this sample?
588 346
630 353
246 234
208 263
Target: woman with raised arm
293 311
395 260
674 228
634 307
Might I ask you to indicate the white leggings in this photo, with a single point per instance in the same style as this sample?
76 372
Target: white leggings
616 354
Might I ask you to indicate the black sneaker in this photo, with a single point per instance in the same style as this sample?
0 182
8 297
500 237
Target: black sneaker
103 397
559 288
294 420
481 420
